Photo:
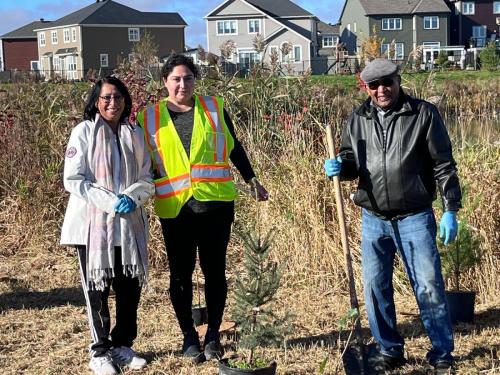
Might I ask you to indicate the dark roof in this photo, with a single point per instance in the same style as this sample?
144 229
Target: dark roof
26 31
274 8
379 7
326 28
109 12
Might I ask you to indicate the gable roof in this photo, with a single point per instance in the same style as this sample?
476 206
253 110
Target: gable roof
109 12
327 28
273 8
379 7
26 31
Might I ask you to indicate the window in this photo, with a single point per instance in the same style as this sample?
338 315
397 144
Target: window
273 51
354 26
57 64
479 35
35 65
496 7
71 67
54 36
131 57
42 39
297 53
431 22
253 26
431 44
391 24
247 56
134 34
103 58
329 41
396 54
66 37
73 34
228 27
468 7
285 52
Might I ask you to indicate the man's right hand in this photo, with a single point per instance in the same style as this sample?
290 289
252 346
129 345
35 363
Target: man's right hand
333 166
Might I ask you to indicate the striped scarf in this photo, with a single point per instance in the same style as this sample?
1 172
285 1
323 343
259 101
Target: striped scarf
100 244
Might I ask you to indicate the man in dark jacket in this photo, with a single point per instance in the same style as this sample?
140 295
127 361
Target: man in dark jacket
398 149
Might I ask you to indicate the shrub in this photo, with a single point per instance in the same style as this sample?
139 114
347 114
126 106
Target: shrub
489 57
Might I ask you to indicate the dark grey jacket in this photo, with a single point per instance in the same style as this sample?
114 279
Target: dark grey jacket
398 173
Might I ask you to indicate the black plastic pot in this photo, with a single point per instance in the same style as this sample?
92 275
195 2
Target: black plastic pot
199 314
224 369
461 306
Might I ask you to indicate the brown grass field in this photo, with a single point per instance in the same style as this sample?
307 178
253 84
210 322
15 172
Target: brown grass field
43 323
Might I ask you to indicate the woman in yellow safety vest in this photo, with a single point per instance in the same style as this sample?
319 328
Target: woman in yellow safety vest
191 140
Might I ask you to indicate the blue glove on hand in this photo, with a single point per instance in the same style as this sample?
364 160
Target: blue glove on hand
333 166
448 227
125 204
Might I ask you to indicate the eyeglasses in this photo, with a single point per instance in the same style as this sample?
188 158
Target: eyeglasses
107 98
386 82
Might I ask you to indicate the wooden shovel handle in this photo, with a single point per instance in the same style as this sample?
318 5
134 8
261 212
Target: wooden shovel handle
343 228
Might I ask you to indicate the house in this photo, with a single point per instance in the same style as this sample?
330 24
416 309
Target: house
100 35
474 23
407 23
328 38
19 49
287 30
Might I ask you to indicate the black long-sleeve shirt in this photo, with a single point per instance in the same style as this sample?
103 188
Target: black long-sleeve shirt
183 122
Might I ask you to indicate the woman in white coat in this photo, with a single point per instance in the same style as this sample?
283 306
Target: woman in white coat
107 172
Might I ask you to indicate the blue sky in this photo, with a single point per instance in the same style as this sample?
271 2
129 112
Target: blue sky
17 13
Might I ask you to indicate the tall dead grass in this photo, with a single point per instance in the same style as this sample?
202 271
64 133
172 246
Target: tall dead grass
281 123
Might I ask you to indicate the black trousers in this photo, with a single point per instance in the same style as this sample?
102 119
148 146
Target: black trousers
127 292
209 233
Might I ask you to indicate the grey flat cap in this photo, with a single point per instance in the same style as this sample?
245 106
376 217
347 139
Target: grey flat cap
379 68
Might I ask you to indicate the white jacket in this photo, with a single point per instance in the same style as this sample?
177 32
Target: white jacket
79 182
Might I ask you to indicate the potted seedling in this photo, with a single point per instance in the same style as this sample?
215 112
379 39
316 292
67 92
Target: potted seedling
456 259
257 324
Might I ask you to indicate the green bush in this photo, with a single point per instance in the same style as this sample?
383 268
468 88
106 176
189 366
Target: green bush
489 57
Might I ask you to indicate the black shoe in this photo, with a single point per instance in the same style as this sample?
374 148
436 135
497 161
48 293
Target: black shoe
443 367
392 363
213 347
191 347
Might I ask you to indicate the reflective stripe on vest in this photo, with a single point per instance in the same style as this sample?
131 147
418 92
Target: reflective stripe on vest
173 186
212 110
210 173
151 125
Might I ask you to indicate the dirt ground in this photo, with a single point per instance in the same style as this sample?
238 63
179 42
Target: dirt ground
43 326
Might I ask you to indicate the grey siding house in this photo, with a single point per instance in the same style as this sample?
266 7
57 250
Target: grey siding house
101 35
279 22
407 23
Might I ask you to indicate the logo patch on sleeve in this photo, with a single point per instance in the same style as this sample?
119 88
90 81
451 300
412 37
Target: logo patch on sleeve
70 152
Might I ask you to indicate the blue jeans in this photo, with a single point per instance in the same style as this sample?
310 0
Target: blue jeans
414 237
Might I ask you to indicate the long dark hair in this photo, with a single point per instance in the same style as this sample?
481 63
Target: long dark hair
90 106
176 59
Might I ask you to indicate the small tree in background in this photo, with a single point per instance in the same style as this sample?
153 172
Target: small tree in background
371 46
442 60
489 57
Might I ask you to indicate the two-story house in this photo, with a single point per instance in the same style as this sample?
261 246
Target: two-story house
407 23
474 23
100 35
281 24
19 50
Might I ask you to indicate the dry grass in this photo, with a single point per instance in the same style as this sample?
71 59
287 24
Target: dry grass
43 328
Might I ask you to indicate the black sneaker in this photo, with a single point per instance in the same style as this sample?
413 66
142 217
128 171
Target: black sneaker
392 363
213 347
443 367
191 347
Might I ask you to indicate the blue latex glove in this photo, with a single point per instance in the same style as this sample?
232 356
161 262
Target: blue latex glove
333 166
448 227
125 204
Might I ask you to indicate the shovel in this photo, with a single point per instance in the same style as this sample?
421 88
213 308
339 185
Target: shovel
357 358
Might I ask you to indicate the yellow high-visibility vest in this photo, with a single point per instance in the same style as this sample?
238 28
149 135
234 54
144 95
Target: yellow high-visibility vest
206 174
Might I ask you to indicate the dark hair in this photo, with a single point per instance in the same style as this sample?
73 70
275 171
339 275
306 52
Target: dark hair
90 106
176 59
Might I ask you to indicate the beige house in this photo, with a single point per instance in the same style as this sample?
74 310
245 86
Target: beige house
101 35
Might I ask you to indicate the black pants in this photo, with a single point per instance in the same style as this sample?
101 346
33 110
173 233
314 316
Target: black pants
127 293
209 233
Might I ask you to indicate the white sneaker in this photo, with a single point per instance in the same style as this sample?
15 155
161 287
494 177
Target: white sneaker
102 365
123 356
